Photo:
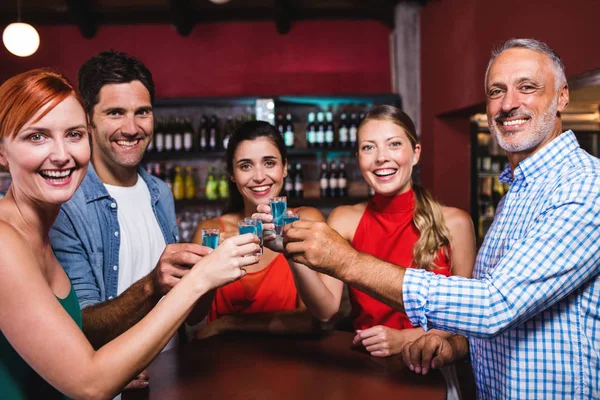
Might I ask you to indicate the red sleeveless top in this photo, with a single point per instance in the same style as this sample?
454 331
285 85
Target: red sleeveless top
386 231
268 290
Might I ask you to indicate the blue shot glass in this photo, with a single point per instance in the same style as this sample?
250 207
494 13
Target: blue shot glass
278 206
259 229
210 237
290 217
249 225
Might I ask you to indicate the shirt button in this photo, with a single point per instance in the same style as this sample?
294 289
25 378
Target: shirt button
116 233
114 267
110 297
113 205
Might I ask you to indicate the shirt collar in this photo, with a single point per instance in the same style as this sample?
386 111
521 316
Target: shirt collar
94 189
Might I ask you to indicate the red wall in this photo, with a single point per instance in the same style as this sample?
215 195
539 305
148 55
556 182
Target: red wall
457 37
231 59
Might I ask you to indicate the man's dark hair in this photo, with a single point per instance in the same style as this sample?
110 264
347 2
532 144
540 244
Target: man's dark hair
110 67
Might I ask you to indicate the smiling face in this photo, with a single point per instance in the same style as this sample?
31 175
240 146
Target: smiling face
48 158
523 102
258 170
386 156
123 125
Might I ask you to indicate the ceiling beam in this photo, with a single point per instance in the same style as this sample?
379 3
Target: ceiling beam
283 16
182 16
83 16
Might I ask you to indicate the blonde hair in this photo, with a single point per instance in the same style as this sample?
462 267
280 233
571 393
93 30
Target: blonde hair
427 216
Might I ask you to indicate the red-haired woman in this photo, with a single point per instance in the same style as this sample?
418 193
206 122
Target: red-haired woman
44 144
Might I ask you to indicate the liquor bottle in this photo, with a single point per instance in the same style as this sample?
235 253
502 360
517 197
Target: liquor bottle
320 130
223 186
178 185
343 180
329 135
177 134
211 185
168 135
280 124
299 182
324 180
203 134
213 137
311 131
352 130
288 135
157 171
190 184
167 176
497 192
228 131
289 183
188 135
159 136
343 132
333 180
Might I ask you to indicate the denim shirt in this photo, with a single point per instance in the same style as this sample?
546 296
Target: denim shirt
85 236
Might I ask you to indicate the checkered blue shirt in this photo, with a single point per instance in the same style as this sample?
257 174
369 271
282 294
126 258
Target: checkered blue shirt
532 313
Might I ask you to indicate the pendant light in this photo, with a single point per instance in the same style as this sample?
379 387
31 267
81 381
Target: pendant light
19 38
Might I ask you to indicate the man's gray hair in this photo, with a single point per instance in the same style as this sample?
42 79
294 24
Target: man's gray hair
534 45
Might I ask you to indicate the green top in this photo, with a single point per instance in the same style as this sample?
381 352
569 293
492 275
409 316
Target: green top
17 379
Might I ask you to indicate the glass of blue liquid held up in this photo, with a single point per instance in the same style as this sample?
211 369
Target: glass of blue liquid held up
210 237
253 226
278 206
290 217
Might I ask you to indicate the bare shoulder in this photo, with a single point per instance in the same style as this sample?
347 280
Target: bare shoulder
457 220
10 240
310 214
345 219
15 255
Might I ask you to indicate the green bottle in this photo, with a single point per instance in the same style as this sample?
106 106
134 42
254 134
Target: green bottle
223 186
211 185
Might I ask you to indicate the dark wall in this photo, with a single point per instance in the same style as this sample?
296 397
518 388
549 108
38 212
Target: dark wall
456 40
231 59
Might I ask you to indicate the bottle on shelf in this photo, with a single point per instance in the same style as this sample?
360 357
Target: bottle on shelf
298 182
168 133
211 185
344 141
320 140
333 180
280 124
177 134
324 180
168 175
159 136
178 185
223 185
311 131
343 180
289 183
352 130
190 184
203 134
288 135
188 135
228 131
213 137
329 134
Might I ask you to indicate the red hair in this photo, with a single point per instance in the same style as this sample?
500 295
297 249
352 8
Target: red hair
23 95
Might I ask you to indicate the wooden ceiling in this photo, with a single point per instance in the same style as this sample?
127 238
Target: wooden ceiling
184 14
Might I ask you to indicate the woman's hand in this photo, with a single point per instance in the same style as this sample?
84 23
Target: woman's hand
270 240
226 263
382 341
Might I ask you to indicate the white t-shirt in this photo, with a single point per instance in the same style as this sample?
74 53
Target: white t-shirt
142 240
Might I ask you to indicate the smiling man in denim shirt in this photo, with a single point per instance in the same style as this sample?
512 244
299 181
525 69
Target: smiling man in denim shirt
116 238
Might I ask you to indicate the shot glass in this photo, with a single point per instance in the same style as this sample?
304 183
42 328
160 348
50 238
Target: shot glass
250 225
278 206
210 237
290 217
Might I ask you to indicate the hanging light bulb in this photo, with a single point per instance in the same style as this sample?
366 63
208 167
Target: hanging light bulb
20 38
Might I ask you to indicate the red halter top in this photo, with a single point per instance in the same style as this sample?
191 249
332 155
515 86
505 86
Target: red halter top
386 231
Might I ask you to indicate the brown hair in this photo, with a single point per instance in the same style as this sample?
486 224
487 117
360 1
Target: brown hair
427 216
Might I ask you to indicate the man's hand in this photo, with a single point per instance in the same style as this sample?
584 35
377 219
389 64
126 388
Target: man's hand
174 263
428 352
382 341
140 382
317 246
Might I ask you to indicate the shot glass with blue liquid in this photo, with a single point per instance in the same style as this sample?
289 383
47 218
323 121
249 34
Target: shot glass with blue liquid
259 230
290 216
210 237
278 206
250 225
